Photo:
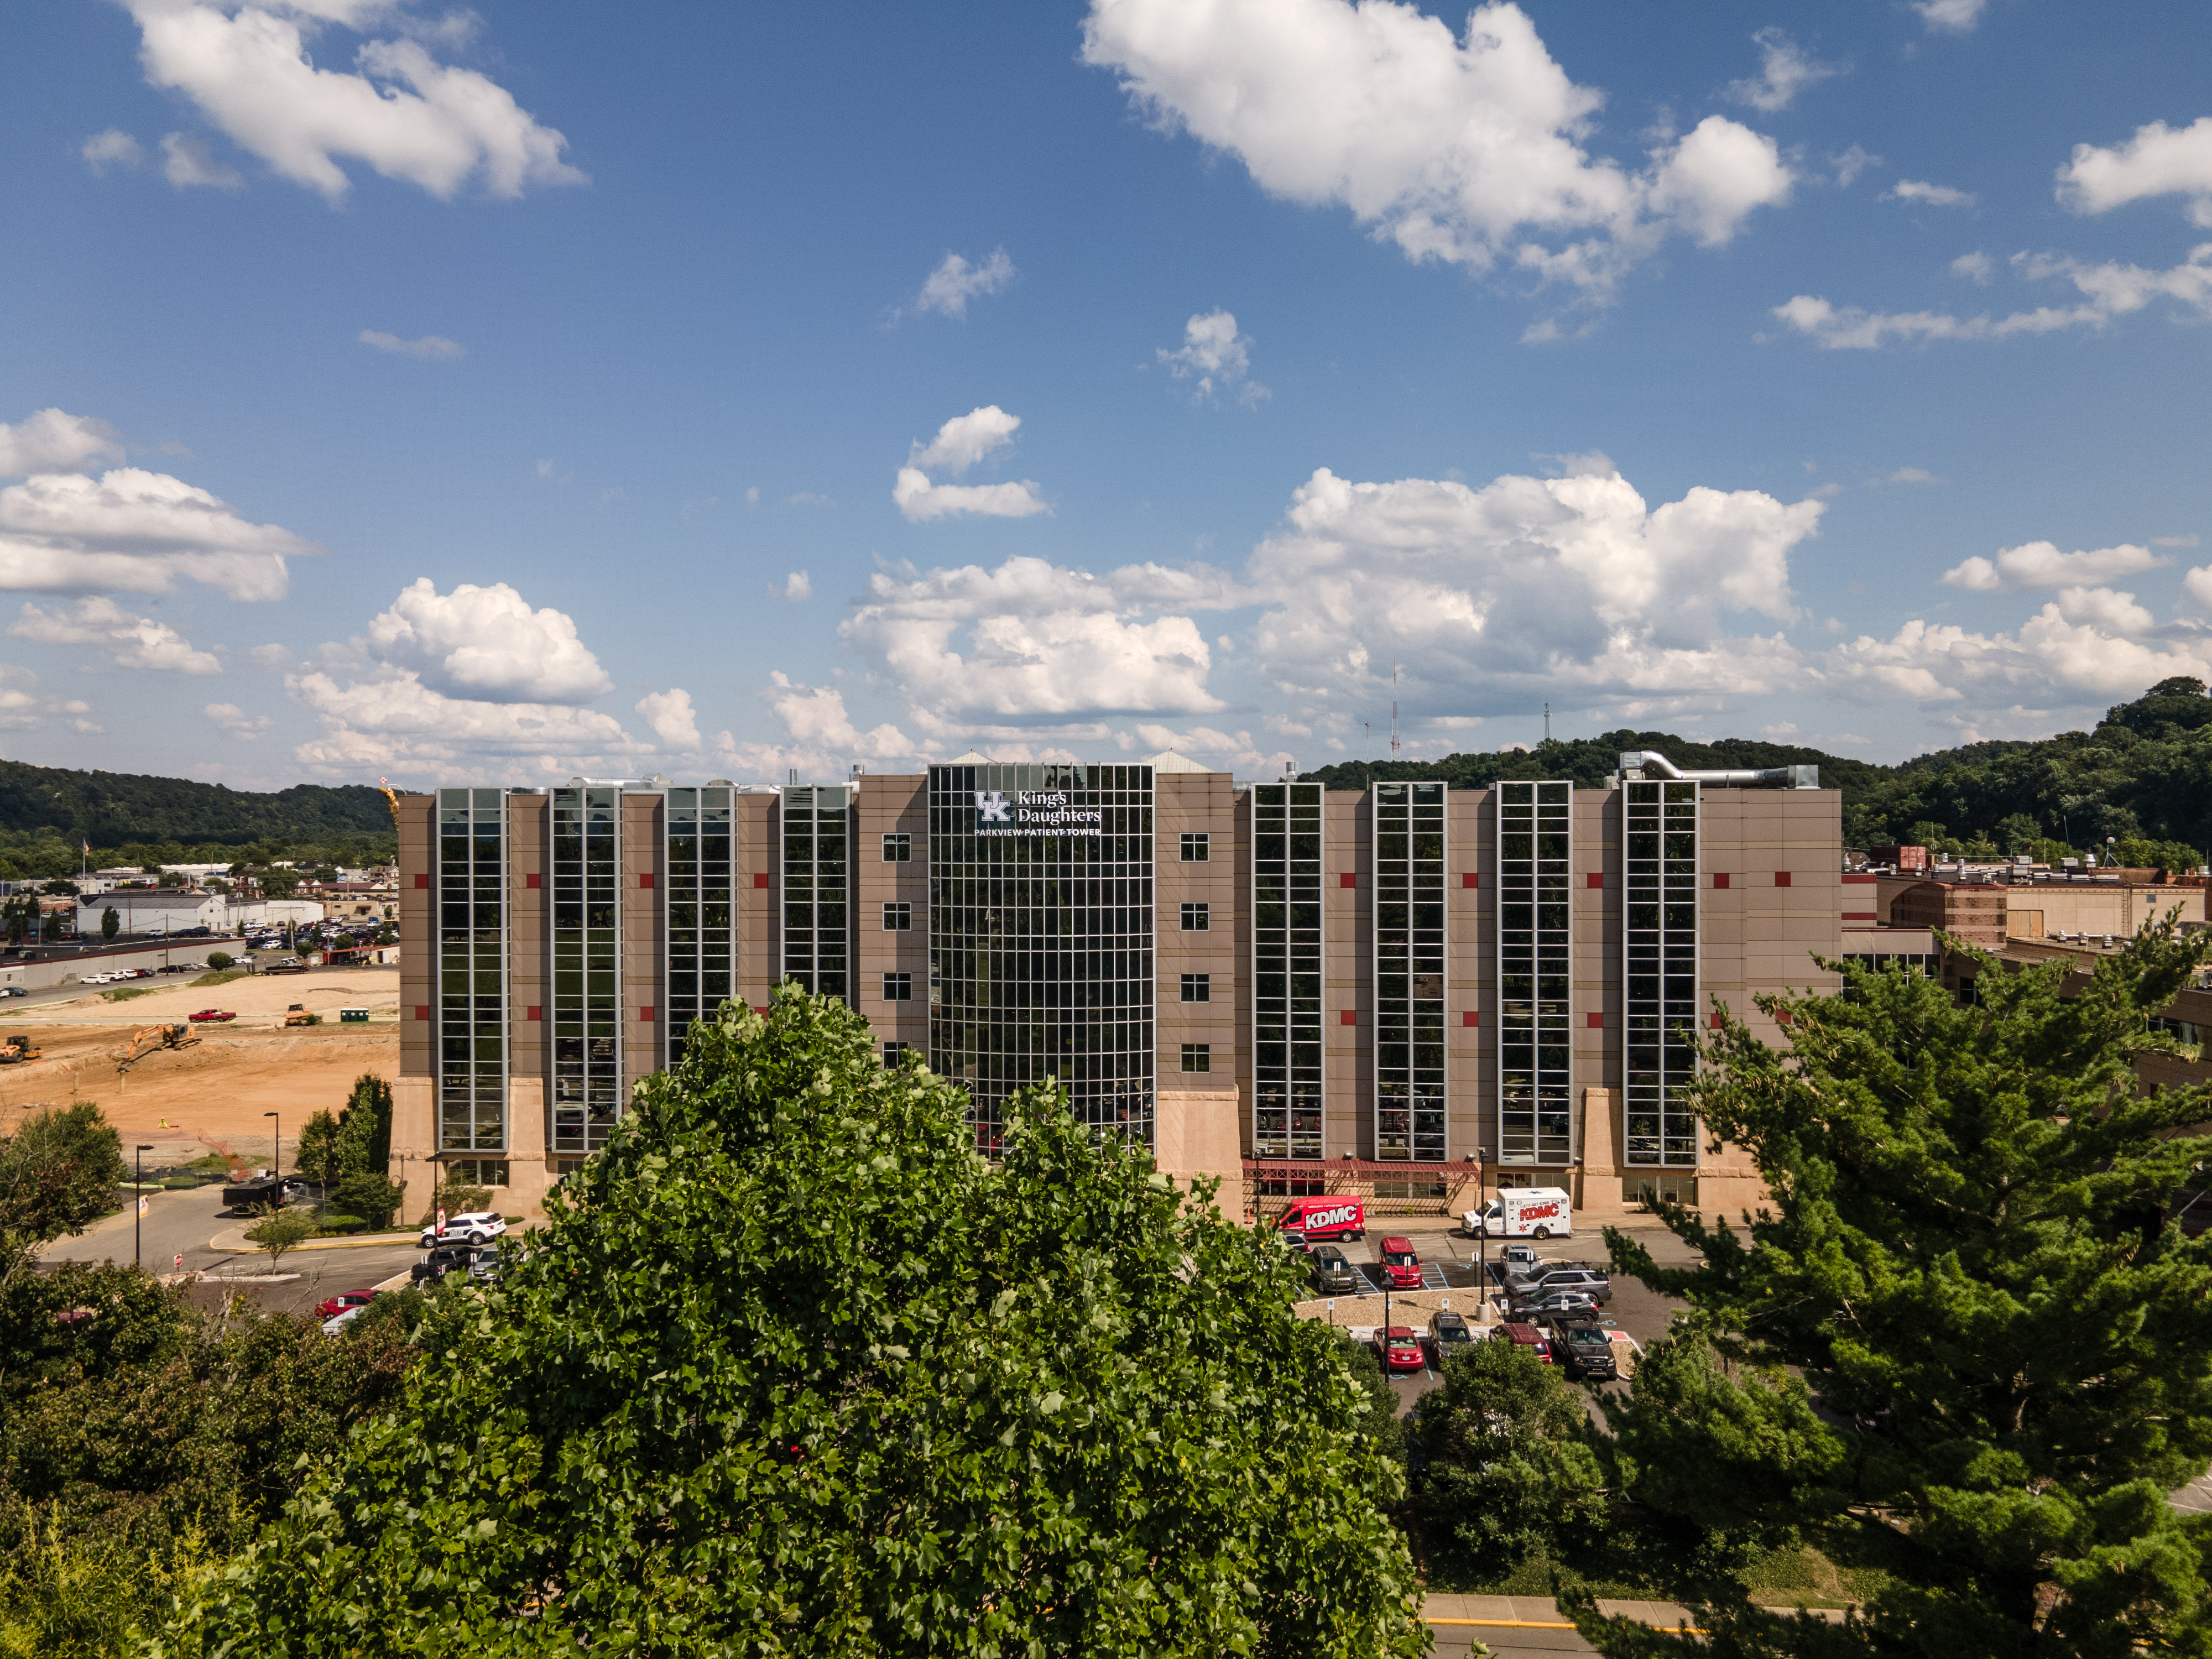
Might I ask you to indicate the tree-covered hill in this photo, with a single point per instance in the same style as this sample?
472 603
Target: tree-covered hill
47 813
2142 777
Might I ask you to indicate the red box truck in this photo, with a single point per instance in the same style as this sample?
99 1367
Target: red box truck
1322 1219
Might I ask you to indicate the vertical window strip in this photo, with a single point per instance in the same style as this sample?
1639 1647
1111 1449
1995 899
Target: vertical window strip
1288 1095
816 888
1409 939
1659 841
1533 924
471 971
587 991
699 857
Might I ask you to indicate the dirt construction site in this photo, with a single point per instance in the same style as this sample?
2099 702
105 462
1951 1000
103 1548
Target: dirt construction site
211 1095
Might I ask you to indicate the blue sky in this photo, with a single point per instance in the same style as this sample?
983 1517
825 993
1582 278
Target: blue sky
718 390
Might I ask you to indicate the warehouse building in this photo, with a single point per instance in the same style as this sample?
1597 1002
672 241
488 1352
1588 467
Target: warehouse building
1409 991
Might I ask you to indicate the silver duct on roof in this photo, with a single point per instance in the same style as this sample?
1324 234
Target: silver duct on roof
1637 764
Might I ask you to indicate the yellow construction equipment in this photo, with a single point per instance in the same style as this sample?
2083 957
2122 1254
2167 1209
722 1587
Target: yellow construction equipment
297 1014
20 1047
151 1041
391 799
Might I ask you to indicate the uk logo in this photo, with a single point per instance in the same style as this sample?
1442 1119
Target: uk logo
992 807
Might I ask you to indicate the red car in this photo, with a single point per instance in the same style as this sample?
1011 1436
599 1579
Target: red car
1400 1349
345 1299
1403 1266
206 1015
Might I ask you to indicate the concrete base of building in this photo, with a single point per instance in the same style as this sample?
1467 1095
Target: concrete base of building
1197 1135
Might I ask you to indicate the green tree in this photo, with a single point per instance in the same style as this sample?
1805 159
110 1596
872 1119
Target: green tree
793 1370
110 923
2018 832
281 1231
1510 1467
1969 1255
58 1173
220 960
365 1194
322 1151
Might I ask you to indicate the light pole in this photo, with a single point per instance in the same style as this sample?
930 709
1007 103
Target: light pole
138 1207
276 1158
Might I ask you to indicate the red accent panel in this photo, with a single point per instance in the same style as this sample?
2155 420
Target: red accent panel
1860 916
536 1012
760 879
1470 1017
1861 881
1716 1021
422 879
1595 1022
1596 878
533 880
646 1014
1349 1017
1781 878
1720 880
422 1011
646 881
1347 879
1470 879
761 1011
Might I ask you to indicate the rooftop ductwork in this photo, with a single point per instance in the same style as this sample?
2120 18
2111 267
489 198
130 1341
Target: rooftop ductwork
1648 763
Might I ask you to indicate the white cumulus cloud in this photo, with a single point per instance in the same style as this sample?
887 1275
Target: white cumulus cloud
671 716
959 444
2040 564
1468 149
1486 596
249 71
434 348
126 640
1950 16
1915 190
1217 356
113 147
52 440
138 531
188 161
2158 161
1975 267
486 644
956 282
1784 71
236 722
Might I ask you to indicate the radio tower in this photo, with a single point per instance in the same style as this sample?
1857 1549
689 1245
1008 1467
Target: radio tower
1394 711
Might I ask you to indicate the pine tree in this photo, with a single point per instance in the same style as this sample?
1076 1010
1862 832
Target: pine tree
1970 1262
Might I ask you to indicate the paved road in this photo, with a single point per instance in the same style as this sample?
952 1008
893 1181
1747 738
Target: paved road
181 1224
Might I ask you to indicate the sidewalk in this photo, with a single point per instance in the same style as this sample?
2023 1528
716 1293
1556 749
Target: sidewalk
232 1241
1541 1613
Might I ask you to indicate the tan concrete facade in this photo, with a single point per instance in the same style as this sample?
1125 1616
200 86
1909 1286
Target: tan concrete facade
1770 897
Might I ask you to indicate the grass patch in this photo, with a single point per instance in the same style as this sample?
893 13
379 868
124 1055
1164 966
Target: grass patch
125 992
222 976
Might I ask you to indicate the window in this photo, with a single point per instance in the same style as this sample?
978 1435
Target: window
1198 987
898 917
1196 919
898 988
898 849
893 1054
477 1171
1195 847
1198 1057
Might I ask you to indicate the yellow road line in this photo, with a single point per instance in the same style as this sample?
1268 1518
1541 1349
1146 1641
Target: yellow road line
1546 1624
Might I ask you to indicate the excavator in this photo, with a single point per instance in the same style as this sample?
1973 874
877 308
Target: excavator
153 1040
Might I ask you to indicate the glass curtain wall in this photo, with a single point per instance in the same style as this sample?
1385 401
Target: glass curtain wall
1535 972
588 1092
1659 919
471 971
702 930
1040 947
817 887
1287 971
1409 971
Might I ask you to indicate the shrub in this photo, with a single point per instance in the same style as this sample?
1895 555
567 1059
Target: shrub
220 960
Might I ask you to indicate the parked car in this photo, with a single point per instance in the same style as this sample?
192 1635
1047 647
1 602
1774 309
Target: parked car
1570 1277
1448 1333
337 1321
1334 1273
1584 1351
1296 1240
1563 1301
13 991
207 1016
289 965
1523 1335
1400 1265
1400 1349
470 1227
447 1259
333 1306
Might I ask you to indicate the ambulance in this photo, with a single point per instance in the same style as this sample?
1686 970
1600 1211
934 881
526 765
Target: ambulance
1524 1212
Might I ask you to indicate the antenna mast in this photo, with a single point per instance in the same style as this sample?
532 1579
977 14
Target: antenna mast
1547 722
1394 711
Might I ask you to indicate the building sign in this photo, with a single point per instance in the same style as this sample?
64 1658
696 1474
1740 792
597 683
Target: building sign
1035 812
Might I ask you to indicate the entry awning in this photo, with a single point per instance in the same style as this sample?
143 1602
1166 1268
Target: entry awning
1325 1166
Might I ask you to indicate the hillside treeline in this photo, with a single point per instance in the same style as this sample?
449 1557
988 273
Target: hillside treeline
2143 778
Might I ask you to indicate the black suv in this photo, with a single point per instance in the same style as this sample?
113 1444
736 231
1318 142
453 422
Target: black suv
1582 1348
446 1259
1332 1274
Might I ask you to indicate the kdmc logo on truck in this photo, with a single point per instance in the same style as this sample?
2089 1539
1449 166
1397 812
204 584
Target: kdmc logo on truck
1341 1216
1539 1211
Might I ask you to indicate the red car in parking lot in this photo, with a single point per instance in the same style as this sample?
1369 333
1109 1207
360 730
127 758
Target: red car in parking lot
1400 1349
337 1304
1401 1264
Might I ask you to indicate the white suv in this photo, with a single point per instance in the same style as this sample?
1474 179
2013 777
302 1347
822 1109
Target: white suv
470 1227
